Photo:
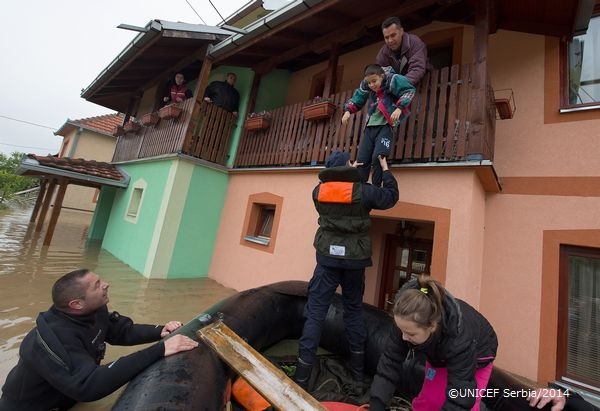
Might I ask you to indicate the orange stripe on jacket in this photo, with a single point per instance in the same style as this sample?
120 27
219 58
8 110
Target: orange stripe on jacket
335 192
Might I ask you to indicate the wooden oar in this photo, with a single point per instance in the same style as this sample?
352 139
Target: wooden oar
268 380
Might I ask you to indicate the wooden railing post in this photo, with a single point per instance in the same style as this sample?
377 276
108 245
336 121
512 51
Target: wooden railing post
198 95
478 124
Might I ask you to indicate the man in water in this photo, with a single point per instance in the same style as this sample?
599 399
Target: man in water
59 362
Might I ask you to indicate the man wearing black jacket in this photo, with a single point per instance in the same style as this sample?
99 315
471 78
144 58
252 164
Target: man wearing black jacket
59 362
343 248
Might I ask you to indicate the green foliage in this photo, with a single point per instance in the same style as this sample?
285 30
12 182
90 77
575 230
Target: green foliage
10 182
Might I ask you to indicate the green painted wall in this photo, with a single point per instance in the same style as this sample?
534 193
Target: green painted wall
102 213
272 90
199 223
243 84
127 241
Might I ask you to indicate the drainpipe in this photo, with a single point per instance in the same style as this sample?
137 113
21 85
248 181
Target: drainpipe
74 144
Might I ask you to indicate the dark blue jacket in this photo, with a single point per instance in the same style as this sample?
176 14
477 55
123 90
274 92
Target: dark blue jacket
59 362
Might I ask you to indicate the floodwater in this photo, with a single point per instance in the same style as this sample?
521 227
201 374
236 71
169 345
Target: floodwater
28 270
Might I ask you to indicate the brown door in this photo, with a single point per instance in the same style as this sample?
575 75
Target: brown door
403 259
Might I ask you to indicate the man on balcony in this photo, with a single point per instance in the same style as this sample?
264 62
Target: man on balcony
405 53
178 92
223 94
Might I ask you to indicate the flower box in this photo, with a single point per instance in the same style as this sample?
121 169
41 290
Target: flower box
149 119
169 112
132 126
318 111
118 131
257 123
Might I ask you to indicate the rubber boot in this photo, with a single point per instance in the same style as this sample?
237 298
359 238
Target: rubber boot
302 375
357 369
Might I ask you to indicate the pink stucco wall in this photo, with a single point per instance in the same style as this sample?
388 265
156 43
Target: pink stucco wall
495 240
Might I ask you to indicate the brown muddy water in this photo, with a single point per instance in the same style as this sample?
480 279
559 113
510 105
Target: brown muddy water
28 270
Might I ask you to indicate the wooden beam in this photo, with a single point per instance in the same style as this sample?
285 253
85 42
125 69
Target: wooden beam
310 12
271 382
331 76
198 97
62 187
39 199
343 35
46 204
479 104
254 92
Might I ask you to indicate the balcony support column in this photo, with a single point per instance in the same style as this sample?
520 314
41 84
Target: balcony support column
199 96
331 76
478 111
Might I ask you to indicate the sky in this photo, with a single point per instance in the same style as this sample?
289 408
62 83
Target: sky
51 50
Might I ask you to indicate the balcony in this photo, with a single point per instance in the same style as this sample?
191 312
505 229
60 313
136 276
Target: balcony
442 127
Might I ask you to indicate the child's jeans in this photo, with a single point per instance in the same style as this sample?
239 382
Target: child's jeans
376 140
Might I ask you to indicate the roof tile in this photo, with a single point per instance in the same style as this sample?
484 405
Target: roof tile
79 165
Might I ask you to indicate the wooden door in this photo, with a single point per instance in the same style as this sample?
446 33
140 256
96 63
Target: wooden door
404 259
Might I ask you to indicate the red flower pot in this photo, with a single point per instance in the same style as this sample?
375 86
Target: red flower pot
149 119
318 111
132 126
118 131
169 112
257 123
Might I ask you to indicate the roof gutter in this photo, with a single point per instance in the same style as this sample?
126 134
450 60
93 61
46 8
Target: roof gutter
260 26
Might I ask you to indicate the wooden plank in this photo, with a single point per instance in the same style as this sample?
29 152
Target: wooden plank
463 111
46 204
294 132
62 188
38 200
442 110
421 117
410 131
452 112
271 382
433 97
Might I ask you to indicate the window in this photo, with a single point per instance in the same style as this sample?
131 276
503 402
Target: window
135 201
579 321
262 221
581 59
262 231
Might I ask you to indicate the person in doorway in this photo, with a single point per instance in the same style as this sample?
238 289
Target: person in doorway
178 92
458 342
404 52
388 96
343 250
60 358
224 94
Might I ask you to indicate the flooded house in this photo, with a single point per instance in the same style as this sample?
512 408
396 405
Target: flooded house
497 163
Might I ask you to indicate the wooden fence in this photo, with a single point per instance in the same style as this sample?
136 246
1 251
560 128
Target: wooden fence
209 140
436 130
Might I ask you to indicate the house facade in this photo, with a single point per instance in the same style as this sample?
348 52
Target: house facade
499 183
88 138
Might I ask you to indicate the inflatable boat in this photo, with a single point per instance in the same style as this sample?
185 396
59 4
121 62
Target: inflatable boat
263 316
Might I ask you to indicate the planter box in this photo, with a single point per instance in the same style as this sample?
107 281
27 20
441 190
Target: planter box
169 112
318 111
132 127
257 123
150 119
118 131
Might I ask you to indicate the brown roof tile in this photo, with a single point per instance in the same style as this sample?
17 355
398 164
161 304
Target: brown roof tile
79 165
104 124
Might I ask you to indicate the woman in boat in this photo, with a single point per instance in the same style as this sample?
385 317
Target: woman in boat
458 342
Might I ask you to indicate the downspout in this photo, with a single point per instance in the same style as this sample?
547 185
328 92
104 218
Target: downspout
75 142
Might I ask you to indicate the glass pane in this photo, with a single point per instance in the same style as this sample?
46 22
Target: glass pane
419 261
584 65
583 356
402 257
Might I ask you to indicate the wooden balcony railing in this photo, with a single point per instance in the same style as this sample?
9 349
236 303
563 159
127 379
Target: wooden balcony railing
438 128
209 140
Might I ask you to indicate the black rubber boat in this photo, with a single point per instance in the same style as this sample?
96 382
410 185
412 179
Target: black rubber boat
263 316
